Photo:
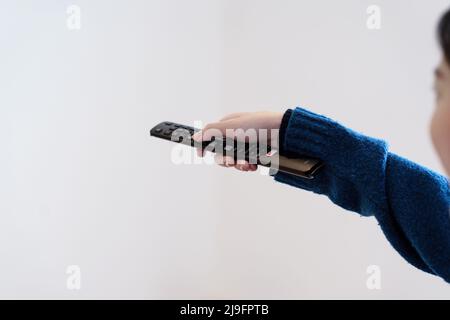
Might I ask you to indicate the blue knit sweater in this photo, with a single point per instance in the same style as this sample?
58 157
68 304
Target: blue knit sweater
410 202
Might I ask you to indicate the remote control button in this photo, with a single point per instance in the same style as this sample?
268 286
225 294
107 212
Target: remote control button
168 132
168 123
158 130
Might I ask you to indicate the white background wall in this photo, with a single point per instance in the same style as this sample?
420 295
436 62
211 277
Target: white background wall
81 182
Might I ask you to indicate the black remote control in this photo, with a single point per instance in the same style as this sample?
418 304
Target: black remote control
254 153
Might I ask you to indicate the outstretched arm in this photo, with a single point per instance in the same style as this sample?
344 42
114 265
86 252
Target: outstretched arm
411 203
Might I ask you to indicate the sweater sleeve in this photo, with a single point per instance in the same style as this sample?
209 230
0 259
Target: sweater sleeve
410 202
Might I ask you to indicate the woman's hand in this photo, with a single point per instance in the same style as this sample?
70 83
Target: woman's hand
269 121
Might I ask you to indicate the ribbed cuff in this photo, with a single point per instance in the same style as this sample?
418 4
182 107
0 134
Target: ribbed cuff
283 127
353 157
314 135
311 134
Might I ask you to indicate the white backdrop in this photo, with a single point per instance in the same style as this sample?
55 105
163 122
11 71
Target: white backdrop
81 182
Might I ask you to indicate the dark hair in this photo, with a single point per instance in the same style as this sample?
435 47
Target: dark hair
444 34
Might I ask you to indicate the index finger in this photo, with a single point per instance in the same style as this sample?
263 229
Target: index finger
215 129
